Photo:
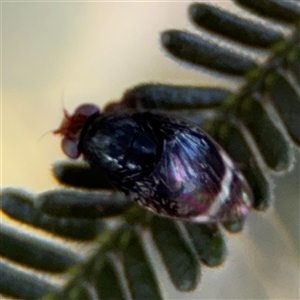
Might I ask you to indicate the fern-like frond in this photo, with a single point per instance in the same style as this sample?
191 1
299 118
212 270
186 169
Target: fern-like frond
258 124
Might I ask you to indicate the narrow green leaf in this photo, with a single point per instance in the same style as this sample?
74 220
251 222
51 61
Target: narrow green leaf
235 226
209 243
80 175
97 277
17 283
197 116
193 49
181 262
287 102
172 97
294 64
142 281
287 11
270 141
260 187
232 26
35 253
106 280
20 206
77 292
82 204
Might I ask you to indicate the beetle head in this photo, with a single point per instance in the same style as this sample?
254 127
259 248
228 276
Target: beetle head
71 127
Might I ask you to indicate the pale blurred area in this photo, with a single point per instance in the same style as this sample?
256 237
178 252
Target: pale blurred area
56 54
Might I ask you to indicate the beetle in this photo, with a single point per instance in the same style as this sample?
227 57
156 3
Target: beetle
168 165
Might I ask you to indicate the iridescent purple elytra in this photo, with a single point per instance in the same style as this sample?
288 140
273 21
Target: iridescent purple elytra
167 165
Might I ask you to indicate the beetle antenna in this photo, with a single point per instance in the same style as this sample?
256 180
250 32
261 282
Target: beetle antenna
43 135
62 100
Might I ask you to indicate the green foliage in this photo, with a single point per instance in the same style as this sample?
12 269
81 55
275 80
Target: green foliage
262 117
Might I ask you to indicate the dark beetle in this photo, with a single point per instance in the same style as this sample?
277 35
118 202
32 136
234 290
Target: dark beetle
167 165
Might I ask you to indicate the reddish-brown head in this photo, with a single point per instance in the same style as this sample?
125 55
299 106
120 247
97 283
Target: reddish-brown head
71 128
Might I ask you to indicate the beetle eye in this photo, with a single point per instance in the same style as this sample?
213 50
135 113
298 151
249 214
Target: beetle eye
70 147
86 110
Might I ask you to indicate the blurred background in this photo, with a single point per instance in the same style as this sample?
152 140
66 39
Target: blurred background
64 54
